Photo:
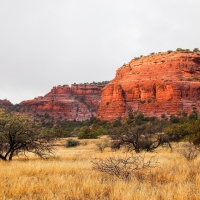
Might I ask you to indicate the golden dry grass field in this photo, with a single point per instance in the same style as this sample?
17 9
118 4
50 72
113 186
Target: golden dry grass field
70 176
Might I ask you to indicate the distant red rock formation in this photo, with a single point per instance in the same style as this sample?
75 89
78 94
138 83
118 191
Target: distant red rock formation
164 83
78 102
5 103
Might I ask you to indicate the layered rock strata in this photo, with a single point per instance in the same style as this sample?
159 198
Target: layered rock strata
78 102
165 83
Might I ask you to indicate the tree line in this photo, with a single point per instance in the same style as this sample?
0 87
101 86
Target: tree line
20 133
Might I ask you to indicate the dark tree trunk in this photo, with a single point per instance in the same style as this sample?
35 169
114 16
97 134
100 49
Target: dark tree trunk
11 155
3 158
137 150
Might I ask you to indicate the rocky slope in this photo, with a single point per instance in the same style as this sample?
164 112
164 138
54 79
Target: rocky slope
164 83
78 102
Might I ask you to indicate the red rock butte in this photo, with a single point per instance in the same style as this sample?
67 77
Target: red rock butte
78 102
164 83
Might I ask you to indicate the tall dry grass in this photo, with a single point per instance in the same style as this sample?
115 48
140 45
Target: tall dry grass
70 176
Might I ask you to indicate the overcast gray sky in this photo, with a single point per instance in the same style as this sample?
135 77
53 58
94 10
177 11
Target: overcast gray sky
44 43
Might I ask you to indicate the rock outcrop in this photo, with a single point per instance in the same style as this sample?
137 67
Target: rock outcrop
164 83
78 102
5 103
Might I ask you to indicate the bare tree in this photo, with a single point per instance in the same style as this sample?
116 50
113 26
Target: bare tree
20 134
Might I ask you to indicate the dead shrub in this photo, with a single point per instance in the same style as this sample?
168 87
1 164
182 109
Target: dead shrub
124 167
189 151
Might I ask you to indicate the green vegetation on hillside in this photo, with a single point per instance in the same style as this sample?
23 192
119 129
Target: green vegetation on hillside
94 83
195 50
20 133
172 128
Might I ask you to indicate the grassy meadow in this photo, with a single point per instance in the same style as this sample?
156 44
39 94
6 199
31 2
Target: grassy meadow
70 176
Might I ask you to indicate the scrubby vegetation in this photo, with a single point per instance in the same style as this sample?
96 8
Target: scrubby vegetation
195 50
94 83
137 132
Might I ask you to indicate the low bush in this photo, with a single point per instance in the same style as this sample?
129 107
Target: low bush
88 135
196 50
72 143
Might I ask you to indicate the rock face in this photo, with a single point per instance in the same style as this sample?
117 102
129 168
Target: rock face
5 103
165 83
78 102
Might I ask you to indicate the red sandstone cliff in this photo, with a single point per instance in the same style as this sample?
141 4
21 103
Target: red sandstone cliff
165 83
78 102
